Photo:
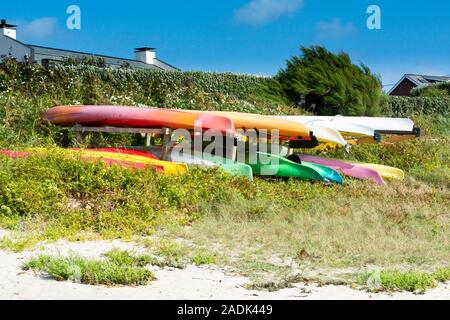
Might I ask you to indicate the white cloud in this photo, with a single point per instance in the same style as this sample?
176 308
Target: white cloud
334 29
39 28
258 12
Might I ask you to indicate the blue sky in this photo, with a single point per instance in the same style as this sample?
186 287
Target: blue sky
247 36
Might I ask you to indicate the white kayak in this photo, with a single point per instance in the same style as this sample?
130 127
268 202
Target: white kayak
346 129
327 135
380 125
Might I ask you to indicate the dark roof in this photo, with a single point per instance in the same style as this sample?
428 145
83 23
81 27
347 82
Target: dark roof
420 80
4 24
63 52
144 49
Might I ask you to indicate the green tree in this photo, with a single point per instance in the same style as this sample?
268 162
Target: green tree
330 84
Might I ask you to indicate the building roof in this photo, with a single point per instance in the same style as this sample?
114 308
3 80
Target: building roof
109 59
420 80
4 24
144 49
56 55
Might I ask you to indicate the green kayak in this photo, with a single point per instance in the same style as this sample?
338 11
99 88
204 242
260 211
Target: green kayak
272 165
229 166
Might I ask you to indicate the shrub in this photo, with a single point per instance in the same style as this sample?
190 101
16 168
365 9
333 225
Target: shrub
405 106
329 84
440 89
111 272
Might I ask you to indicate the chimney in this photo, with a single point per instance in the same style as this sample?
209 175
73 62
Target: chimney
7 29
146 55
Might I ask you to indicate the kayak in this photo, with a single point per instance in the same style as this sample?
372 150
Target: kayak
108 161
135 117
346 129
248 121
170 168
381 125
348 169
327 135
327 173
201 160
266 164
122 151
384 171
229 166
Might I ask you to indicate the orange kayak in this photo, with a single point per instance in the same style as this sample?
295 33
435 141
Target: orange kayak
135 117
248 121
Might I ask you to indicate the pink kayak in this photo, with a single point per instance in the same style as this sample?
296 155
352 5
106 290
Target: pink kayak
348 169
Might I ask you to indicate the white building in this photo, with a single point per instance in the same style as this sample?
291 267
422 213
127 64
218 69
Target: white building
10 46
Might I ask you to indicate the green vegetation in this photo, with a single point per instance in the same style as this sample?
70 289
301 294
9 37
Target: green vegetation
440 89
394 280
407 106
224 220
119 268
203 259
329 84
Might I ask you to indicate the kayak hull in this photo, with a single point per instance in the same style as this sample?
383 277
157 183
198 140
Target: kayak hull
329 174
248 121
385 171
201 160
169 168
347 169
272 165
109 161
134 117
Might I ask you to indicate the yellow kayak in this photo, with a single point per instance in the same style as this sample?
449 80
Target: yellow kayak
169 168
384 171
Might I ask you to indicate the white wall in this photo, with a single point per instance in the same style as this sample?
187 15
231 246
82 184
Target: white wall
12 33
16 49
147 57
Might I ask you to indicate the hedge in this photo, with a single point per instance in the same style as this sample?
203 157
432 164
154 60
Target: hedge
405 106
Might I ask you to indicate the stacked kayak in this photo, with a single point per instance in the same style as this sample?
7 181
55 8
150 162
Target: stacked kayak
205 161
350 170
291 132
118 116
287 130
122 157
363 129
272 165
386 172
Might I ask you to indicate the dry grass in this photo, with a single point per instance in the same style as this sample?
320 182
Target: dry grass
359 225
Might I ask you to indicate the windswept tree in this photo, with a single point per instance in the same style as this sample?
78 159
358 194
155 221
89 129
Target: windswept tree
330 84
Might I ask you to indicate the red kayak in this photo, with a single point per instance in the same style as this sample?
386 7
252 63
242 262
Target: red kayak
135 117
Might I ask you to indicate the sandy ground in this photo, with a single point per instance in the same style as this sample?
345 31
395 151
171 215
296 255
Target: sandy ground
199 283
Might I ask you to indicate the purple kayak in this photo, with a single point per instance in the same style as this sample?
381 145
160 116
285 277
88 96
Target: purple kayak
348 169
